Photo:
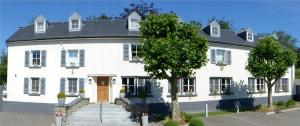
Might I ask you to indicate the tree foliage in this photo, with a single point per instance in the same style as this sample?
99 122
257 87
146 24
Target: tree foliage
101 16
143 8
270 61
3 68
224 24
171 50
197 23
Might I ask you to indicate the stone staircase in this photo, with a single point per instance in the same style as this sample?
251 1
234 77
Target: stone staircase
89 115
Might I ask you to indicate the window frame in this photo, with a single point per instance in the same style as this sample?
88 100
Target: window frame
219 85
32 80
281 85
137 47
40 26
181 85
75 22
249 34
220 53
134 24
256 85
70 60
32 58
136 85
68 86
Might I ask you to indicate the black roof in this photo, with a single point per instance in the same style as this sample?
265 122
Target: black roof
106 28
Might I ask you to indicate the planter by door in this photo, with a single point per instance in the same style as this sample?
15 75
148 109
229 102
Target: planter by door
82 95
58 121
61 101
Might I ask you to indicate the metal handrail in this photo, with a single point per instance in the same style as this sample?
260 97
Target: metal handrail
101 107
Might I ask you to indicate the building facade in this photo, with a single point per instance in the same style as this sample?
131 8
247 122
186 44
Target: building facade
101 57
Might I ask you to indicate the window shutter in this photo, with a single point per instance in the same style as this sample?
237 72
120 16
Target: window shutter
228 57
277 85
81 83
211 83
62 84
26 58
26 85
126 51
43 86
81 58
63 58
213 56
43 63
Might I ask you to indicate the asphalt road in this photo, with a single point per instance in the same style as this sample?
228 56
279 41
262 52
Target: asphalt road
291 118
25 119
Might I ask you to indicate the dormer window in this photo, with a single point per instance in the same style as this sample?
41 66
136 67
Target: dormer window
133 21
215 31
134 24
40 24
75 23
250 36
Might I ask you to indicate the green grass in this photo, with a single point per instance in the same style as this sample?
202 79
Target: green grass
297 74
217 113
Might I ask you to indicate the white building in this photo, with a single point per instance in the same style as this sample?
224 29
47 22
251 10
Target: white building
101 57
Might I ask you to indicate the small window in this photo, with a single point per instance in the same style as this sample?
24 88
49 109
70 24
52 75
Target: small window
73 59
135 50
185 86
215 30
75 24
220 57
35 85
256 85
134 24
36 58
72 86
282 85
250 36
220 85
40 26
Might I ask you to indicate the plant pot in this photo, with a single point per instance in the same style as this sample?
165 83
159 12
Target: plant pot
61 101
122 95
144 120
58 120
82 95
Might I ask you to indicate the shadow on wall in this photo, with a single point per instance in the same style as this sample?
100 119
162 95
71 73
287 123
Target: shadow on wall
238 96
154 104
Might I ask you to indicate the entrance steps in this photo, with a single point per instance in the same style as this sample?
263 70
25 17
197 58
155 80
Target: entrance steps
89 115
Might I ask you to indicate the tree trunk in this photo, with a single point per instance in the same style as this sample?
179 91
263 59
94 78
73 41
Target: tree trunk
175 106
270 101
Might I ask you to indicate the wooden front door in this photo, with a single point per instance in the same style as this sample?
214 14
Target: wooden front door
102 89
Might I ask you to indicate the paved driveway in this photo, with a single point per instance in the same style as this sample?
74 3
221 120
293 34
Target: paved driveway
25 119
291 118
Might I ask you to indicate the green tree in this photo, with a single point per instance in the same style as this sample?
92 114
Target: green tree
197 23
143 8
283 38
3 68
270 61
224 24
171 50
101 16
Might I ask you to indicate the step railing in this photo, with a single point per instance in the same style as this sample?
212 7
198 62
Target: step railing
101 107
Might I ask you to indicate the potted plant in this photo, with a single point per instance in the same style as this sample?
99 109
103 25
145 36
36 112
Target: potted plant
61 98
81 93
122 93
58 118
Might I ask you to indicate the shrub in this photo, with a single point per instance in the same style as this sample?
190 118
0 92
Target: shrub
61 95
290 103
171 123
122 90
259 107
196 122
187 117
280 104
81 91
143 94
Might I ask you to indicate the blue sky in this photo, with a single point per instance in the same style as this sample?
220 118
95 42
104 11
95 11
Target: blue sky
264 16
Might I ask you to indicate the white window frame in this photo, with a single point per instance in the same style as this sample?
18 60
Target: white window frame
40 29
39 58
261 85
218 81
215 31
250 37
73 24
70 60
136 84
180 86
134 24
31 85
281 85
220 56
68 86
136 57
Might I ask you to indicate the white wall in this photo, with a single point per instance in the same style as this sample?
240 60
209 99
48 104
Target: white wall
105 56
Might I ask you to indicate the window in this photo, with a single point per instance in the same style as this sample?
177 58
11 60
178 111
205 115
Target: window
250 36
282 85
35 85
73 59
256 85
40 26
72 88
36 58
134 24
75 24
220 57
135 85
185 86
135 49
220 85
215 31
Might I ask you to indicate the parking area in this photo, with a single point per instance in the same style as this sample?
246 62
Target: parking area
290 118
25 119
